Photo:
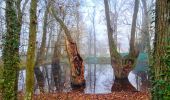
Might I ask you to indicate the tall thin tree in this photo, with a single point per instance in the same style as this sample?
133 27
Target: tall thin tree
40 59
31 51
145 43
133 49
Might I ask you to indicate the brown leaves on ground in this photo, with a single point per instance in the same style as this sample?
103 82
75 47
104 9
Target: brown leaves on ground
82 96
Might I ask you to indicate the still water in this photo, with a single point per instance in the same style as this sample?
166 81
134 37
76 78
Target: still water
99 79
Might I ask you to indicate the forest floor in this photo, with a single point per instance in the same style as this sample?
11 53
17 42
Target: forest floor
81 96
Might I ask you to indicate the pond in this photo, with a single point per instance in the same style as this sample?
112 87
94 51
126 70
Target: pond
99 79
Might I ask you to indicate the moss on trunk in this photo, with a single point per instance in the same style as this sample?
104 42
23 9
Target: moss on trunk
160 69
11 52
31 51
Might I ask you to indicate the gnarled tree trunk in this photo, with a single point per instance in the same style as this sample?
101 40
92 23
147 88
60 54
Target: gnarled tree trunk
76 62
121 71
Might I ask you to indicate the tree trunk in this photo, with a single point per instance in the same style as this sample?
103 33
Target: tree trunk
46 59
161 67
31 51
11 53
121 72
41 55
56 68
76 62
133 52
122 83
145 29
130 60
115 56
77 66
77 17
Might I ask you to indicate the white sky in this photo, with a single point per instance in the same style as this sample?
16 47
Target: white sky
100 22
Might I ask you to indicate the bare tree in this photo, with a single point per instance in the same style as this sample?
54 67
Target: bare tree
77 66
40 59
31 51
133 51
121 81
56 70
145 29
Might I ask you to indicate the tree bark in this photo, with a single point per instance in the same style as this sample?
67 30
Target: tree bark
133 51
31 51
76 62
46 59
41 55
10 52
56 68
121 72
77 17
115 56
145 29
161 68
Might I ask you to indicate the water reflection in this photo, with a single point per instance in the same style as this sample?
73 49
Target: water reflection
99 79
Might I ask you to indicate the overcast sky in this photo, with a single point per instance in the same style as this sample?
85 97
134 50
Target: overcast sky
86 9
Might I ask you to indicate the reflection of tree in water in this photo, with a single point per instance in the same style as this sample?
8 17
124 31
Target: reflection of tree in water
89 77
142 81
64 82
107 84
99 81
102 76
49 86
